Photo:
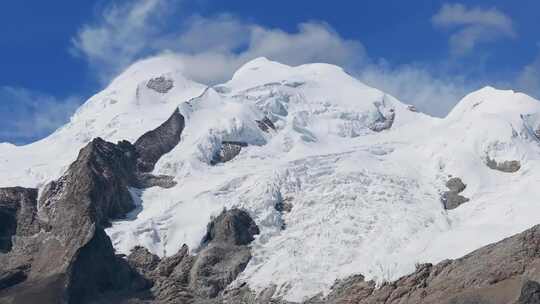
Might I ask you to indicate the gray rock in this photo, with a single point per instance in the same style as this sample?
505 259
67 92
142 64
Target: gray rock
17 215
228 151
160 84
530 293
452 199
142 259
508 166
455 184
265 124
234 227
154 144
61 252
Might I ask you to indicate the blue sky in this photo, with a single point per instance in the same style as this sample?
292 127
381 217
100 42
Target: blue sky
55 54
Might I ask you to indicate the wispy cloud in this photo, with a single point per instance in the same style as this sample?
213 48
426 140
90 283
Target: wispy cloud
30 115
472 26
211 47
121 34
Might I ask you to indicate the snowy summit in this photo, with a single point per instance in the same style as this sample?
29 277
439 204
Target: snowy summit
340 178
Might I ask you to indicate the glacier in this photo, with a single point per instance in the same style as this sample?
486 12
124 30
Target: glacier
361 172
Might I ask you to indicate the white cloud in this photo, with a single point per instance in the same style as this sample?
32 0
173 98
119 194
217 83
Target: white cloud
121 34
28 115
414 84
211 49
472 26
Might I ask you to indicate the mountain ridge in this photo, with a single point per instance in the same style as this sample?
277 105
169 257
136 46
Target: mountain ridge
362 174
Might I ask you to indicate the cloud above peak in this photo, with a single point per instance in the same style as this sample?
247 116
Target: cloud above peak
212 48
472 26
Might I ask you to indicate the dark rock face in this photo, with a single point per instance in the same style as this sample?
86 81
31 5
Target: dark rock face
232 227
160 84
154 144
96 182
71 259
228 151
452 199
265 124
508 166
60 252
530 293
201 278
17 215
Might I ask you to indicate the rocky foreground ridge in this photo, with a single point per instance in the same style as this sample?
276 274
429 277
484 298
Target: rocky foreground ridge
53 249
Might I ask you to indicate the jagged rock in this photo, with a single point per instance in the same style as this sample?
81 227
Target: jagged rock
233 227
149 180
200 278
17 214
491 274
160 84
225 253
65 256
265 124
142 259
228 151
154 144
216 267
508 166
530 293
455 184
452 199
97 182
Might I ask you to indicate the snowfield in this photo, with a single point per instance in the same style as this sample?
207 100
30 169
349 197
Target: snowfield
361 172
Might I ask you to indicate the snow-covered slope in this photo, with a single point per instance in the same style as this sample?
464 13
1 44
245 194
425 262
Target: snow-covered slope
344 180
126 109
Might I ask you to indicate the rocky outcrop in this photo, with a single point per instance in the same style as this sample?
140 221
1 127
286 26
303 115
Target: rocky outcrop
530 293
452 199
17 215
497 273
160 84
265 124
70 259
201 277
154 144
501 273
56 250
228 151
508 166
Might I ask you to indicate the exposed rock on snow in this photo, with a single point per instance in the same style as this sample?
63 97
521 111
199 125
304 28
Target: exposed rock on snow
505 272
17 215
186 278
363 170
160 84
509 166
154 144
228 151
266 124
452 199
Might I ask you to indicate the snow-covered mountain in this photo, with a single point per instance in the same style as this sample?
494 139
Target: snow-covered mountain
341 178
